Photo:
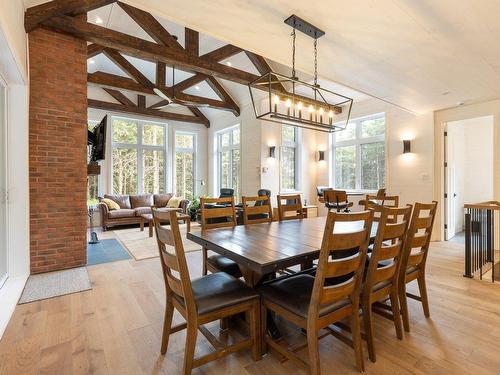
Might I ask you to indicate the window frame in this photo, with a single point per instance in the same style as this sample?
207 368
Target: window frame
296 145
194 151
230 148
358 141
140 148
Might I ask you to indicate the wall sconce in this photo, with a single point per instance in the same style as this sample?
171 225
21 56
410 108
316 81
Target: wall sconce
272 151
321 155
406 146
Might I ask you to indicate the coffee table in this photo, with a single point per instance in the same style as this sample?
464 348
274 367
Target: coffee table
148 218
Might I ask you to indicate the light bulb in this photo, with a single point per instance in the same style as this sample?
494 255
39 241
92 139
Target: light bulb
299 106
321 111
276 99
311 109
330 113
288 102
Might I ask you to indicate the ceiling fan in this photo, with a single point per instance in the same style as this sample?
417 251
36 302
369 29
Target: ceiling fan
171 100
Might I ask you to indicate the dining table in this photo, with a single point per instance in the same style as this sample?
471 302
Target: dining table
264 249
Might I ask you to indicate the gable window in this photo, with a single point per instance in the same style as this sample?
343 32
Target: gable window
138 158
289 158
229 159
359 154
185 162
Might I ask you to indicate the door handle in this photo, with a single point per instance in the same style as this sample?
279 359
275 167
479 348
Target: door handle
454 195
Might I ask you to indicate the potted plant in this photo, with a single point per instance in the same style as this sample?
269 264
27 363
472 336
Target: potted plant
194 207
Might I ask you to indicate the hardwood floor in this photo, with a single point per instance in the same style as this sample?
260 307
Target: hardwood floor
116 329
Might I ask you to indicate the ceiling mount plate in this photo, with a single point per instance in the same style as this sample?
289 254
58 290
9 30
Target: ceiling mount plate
304 26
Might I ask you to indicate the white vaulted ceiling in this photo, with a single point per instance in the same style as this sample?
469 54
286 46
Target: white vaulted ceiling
421 55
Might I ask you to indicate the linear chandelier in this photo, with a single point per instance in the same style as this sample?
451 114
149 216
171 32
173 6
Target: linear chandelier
305 105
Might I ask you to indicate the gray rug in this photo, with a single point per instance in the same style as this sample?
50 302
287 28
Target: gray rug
57 283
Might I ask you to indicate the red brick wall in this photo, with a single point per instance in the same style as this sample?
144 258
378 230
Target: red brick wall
57 151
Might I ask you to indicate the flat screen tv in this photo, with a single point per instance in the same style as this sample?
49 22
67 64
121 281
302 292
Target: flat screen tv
99 141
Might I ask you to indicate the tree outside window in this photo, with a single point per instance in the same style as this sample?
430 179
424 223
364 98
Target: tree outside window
185 146
138 156
289 158
229 159
359 154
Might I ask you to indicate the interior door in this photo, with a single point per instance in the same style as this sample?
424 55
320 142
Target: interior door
3 189
452 206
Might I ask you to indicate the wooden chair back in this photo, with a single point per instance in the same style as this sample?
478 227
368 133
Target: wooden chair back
418 237
259 205
335 241
226 210
173 261
335 196
373 201
293 205
388 247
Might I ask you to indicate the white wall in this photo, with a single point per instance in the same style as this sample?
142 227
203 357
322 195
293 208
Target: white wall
12 25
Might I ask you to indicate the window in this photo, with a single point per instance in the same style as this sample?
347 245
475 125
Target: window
185 146
229 159
139 149
359 154
289 158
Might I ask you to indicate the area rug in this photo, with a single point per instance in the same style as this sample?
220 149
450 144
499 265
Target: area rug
141 246
54 284
105 251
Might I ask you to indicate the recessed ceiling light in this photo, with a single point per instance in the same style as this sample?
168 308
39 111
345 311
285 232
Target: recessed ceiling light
445 93
91 61
197 87
98 20
229 63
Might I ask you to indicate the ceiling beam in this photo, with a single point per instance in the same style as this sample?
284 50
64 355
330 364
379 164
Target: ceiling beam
141 101
161 77
117 95
198 113
94 50
38 14
222 93
130 69
263 67
151 26
123 83
99 104
192 41
222 53
146 50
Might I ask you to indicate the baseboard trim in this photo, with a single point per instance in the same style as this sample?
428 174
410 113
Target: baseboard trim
9 295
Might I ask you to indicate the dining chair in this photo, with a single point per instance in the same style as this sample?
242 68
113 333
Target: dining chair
291 209
336 200
257 210
414 258
312 304
218 213
201 301
381 279
371 201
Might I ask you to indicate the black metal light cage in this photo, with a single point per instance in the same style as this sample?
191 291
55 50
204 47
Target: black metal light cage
313 107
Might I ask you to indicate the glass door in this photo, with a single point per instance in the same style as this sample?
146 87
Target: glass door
3 187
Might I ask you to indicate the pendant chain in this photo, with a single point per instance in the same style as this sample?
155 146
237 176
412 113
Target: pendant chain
315 62
293 53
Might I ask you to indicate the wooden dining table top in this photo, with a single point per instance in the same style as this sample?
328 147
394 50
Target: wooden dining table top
268 247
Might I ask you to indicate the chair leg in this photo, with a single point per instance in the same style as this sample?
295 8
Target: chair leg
367 320
191 334
396 314
404 306
356 340
423 295
263 329
254 328
167 323
205 256
312 346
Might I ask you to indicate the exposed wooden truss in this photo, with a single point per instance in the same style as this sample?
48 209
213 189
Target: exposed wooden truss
165 51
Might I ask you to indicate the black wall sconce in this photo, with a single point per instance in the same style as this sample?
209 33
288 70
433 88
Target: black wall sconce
272 151
406 146
321 155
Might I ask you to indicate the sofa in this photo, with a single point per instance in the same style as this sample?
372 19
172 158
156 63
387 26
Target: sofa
132 207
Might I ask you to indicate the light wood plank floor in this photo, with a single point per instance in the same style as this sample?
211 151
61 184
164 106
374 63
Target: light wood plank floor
116 328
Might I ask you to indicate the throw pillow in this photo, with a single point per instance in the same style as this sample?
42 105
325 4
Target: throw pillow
174 202
112 205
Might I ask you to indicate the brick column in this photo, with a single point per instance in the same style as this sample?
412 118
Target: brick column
57 151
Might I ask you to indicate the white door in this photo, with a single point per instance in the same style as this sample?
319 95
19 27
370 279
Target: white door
3 188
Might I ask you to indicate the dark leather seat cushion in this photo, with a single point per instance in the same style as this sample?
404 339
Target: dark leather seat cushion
217 291
294 294
121 213
224 264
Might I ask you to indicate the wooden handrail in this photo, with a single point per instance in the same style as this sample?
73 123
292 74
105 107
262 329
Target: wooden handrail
489 205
